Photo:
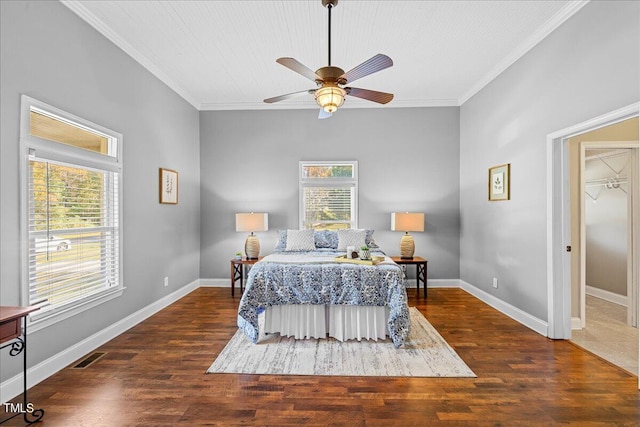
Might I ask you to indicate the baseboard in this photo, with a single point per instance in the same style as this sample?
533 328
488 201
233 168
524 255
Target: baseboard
217 283
607 295
435 283
576 323
515 313
443 283
13 386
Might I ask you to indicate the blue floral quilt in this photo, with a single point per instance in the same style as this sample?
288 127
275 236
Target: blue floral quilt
316 278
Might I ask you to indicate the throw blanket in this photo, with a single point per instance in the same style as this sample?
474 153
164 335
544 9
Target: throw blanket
311 278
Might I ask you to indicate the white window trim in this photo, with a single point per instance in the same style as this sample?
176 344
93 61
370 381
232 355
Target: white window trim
323 182
52 150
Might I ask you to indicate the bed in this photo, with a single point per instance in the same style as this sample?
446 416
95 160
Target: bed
303 292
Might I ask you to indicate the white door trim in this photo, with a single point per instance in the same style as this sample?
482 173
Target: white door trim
633 243
558 268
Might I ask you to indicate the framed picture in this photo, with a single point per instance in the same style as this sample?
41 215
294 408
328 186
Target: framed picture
499 183
168 186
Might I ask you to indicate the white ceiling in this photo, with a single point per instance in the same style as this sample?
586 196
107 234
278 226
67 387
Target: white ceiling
220 55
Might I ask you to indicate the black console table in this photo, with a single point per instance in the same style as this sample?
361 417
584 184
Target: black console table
13 332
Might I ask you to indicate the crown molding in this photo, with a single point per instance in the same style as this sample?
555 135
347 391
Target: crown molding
312 106
79 9
558 19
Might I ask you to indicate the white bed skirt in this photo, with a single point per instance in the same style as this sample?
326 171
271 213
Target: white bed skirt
342 322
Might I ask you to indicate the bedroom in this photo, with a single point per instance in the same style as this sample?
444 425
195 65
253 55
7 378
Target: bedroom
440 156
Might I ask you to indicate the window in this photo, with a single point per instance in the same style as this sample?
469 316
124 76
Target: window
328 195
71 195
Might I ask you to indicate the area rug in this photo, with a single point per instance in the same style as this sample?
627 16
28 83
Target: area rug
425 354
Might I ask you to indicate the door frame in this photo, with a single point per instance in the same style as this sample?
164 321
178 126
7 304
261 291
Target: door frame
558 218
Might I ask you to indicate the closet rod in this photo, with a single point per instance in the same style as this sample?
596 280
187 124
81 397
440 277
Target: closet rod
600 183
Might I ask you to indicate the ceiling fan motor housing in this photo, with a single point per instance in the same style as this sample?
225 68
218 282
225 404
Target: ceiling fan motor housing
330 75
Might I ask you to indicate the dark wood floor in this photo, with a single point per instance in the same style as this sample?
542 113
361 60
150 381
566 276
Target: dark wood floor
154 375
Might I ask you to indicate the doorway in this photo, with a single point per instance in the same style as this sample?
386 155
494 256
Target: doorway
607 177
563 298
608 312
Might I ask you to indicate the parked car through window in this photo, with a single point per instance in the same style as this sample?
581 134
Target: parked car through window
52 244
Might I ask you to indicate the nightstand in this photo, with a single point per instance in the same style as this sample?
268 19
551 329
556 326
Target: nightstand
237 271
421 269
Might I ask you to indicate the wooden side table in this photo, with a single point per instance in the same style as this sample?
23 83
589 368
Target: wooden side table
421 270
13 333
237 271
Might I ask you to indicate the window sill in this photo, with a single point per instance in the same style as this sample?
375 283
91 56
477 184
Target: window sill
44 320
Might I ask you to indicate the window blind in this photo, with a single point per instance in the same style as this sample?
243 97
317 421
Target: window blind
328 205
73 234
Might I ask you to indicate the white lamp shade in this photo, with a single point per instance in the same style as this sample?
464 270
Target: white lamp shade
407 221
252 221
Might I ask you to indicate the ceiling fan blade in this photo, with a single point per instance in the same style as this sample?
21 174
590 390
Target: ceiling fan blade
323 114
299 68
287 96
370 66
369 95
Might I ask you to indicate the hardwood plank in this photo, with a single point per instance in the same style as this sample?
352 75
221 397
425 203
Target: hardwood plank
154 374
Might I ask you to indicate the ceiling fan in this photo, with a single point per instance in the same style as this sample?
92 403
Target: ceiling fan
332 81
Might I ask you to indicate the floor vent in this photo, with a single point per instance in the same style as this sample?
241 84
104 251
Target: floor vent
90 359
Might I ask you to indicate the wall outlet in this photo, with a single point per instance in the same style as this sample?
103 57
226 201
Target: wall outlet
166 282
495 282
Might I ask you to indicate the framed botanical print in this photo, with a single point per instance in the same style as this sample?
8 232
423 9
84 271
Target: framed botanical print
500 183
168 186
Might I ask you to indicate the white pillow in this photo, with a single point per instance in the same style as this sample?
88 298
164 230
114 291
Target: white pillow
300 240
351 237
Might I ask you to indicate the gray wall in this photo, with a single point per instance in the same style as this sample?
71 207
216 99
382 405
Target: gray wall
407 159
52 55
587 67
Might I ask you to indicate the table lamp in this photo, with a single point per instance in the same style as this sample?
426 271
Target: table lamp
252 222
407 221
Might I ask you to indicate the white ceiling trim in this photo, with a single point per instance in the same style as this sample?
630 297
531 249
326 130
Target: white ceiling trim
352 104
102 28
562 16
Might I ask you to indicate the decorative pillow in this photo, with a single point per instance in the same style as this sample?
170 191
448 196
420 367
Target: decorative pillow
332 237
369 241
281 244
326 239
351 237
300 240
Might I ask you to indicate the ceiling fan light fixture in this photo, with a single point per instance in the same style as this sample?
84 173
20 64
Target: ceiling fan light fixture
330 98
